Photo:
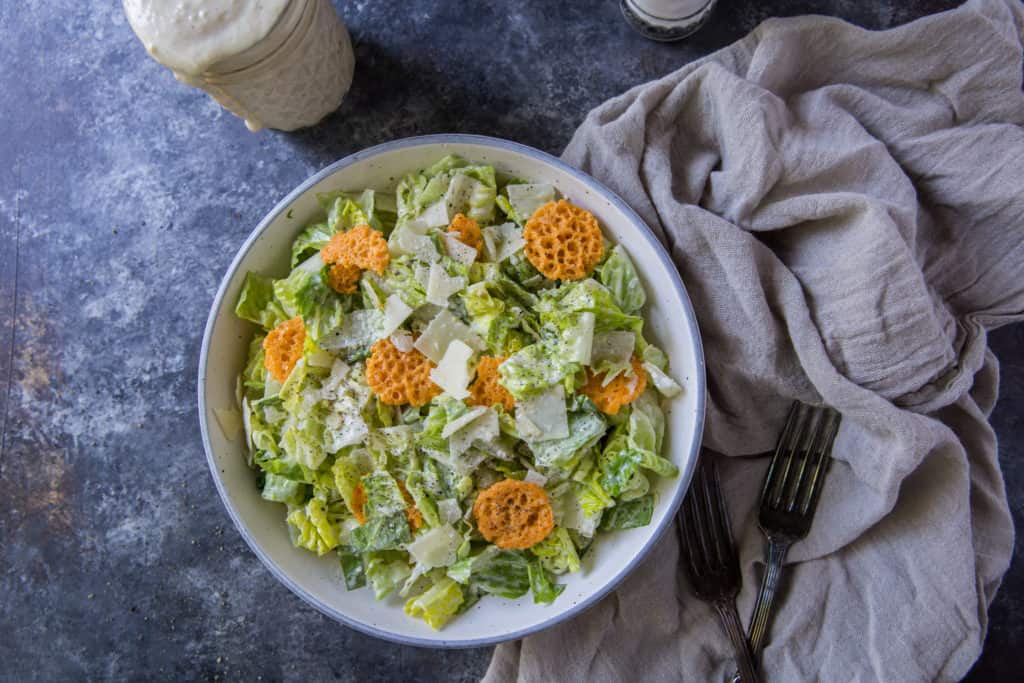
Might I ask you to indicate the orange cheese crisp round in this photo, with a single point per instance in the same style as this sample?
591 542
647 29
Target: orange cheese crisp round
485 389
619 392
514 515
361 246
398 378
283 348
563 241
344 278
467 231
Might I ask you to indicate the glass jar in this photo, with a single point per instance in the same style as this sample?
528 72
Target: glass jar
292 77
666 20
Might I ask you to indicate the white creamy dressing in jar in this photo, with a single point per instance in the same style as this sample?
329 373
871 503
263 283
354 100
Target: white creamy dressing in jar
188 36
671 9
281 64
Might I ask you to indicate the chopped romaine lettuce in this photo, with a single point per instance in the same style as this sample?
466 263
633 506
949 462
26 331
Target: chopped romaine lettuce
352 569
667 386
283 490
383 497
629 514
254 376
315 531
346 210
357 332
557 553
544 591
585 429
382 533
385 570
400 279
619 276
496 571
534 368
257 303
437 605
306 294
311 240
392 488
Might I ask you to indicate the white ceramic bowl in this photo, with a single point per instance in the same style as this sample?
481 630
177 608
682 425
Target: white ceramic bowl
670 324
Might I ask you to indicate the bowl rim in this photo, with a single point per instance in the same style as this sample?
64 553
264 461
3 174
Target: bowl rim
685 473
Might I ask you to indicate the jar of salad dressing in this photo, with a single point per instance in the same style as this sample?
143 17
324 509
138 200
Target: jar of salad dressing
666 20
281 64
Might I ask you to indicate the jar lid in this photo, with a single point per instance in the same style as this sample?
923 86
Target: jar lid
189 36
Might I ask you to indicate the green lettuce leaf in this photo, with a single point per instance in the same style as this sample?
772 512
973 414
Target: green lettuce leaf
585 429
493 321
386 570
619 276
383 497
629 514
306 294
588 295
544 591
400 278
302 432
618 461
439 604
280 489
346 210
311 240
536 367
635 443
382 533
593 498
495 571
254 376
257 303
347 473
352 569
520 271
314 531
422 499
557 553
416 191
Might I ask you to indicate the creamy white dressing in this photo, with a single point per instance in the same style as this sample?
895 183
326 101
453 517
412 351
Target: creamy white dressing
671 9
189 36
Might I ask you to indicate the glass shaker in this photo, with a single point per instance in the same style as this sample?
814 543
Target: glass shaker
282 64
666 20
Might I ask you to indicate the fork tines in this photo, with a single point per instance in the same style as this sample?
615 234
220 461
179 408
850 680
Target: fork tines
711 561
792 484
707 537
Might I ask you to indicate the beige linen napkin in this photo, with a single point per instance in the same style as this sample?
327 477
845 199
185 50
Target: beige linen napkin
846 208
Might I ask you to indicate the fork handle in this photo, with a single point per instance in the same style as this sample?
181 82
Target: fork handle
777 549
731 621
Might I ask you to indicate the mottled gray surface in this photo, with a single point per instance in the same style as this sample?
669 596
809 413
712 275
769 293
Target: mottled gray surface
123 197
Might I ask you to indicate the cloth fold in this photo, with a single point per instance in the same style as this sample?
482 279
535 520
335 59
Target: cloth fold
846 208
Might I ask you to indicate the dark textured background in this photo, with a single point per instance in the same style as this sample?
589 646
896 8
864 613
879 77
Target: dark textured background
123 197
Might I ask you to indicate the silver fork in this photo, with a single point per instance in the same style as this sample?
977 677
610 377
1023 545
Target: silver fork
711 561
789 499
